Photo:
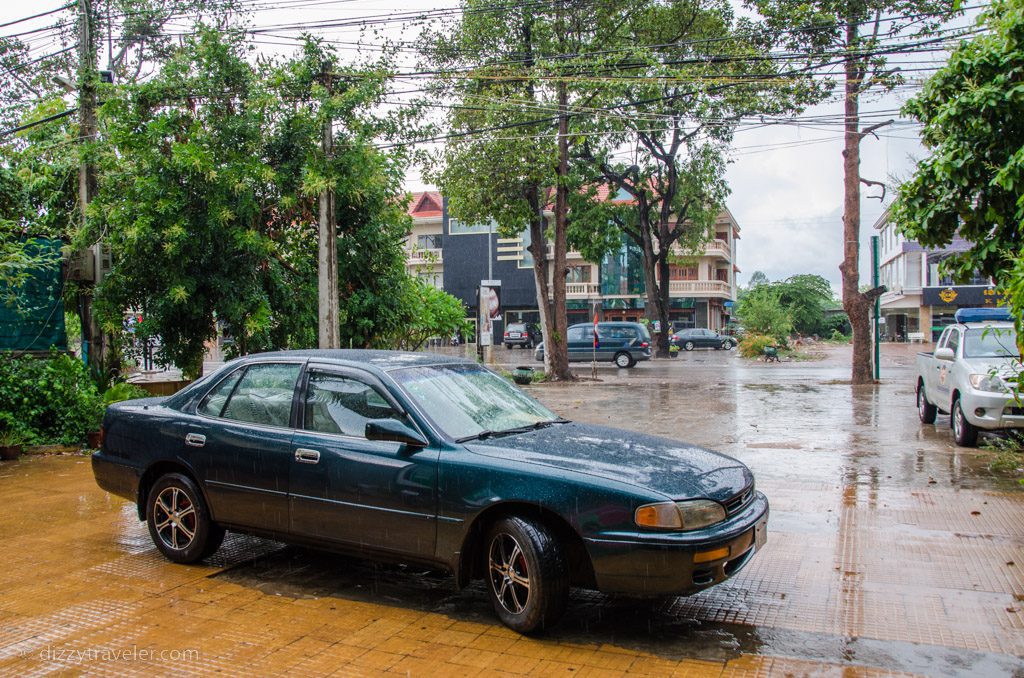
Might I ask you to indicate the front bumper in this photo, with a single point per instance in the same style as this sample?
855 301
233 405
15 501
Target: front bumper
996 410
659 564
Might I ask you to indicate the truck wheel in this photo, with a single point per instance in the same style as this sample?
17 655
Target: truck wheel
964 432
925 410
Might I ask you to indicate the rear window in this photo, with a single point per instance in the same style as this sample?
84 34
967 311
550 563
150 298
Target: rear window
517 327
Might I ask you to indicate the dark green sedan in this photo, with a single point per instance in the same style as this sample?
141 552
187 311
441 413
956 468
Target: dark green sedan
421 458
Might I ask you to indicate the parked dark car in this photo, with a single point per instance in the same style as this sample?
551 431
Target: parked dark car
526 335
690 339
622 343
433 460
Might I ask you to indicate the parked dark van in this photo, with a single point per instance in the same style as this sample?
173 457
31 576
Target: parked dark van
622 343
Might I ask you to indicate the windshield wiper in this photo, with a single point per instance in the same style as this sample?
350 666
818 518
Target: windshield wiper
483 435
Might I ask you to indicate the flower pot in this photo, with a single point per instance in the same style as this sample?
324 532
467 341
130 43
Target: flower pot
523 375
94 439
10 452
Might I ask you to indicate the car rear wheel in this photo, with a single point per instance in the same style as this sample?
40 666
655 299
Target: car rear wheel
688 346
527 575
508 346
925 410
623 359
179 522
964 432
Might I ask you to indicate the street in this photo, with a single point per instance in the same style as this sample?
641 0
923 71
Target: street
890 552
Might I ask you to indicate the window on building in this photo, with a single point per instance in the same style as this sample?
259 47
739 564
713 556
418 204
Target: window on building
682 272
457 227
578 274
429 242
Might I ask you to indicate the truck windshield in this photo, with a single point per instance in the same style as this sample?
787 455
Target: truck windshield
990 342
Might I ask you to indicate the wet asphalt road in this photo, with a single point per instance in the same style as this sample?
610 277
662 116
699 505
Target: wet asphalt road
890 551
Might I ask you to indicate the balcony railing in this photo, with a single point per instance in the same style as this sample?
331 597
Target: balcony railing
718 248
582 290
424 256
688 288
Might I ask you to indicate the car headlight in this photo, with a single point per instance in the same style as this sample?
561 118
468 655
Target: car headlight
986 382
681 515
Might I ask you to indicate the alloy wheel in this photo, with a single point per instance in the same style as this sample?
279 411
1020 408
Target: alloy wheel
175 518
509 573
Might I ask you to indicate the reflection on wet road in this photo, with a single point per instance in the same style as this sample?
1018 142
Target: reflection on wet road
890 551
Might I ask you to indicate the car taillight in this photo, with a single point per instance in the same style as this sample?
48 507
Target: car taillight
643 344
506 334
674 337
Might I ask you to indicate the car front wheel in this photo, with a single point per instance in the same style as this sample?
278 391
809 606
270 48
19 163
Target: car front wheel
964 432
179 522
526 574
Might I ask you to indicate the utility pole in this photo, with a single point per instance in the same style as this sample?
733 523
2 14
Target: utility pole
327 262
92 335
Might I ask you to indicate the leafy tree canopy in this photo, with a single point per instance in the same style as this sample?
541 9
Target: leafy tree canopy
973 181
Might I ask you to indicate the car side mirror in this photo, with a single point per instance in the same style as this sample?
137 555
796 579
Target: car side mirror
393 431
944 354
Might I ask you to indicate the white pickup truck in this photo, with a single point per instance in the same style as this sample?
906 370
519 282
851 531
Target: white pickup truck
970 376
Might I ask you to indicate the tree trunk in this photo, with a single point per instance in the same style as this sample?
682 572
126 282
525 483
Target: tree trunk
539 249
854 302
663 303
651 286
559 347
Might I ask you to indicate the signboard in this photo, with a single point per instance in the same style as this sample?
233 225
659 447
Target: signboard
489 309
964 295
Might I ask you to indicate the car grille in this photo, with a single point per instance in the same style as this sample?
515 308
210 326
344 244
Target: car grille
1014 411
739 502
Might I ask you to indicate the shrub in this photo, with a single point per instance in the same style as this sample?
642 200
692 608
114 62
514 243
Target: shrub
123 391
50 400
752 345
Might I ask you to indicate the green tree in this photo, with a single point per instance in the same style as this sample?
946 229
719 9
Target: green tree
807 298
861 35
512 69
973 181
209 194
681 76
762 312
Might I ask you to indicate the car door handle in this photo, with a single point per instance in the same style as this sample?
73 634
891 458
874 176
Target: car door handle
304 456
195 440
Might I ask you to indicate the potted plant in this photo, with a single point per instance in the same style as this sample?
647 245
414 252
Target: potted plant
11 441
523 375
673 351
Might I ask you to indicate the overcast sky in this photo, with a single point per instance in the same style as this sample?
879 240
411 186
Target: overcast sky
786 181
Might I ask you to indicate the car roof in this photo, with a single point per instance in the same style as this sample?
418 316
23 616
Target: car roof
626 323
1000 324
383 360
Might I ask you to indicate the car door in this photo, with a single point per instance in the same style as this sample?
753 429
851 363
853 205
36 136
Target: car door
239 443
347 489
943 376
580 342
706 339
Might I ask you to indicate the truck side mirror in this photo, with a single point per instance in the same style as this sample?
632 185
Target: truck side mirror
944 354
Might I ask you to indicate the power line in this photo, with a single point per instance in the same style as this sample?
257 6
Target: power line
36 16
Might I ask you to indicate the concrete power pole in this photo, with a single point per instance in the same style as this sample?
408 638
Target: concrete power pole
327 261
87 129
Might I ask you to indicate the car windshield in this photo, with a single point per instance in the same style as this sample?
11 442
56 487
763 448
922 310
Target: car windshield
990 342
468 401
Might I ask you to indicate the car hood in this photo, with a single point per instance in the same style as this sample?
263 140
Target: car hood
677 470
1004 367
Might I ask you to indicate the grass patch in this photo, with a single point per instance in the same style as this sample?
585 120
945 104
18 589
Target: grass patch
1008 454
